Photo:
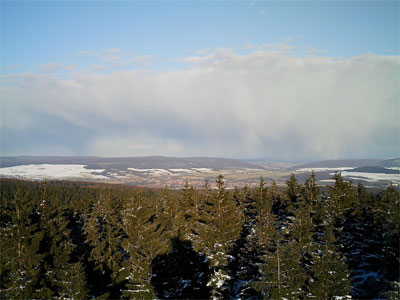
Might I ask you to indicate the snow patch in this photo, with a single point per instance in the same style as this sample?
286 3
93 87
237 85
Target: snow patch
203 170
323 169
44 171
244 170
182 171
156 172
371 176
393 168
327 180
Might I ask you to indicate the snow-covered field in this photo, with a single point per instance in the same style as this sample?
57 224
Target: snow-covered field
203 170
48 171
155 172
395 178
327 180
323 169
171 171
394 168
182 170
245 170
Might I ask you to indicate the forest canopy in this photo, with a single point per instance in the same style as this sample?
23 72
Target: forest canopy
85 240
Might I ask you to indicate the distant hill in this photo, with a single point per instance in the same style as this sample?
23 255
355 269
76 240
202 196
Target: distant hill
374 169
337 163
387 163
122 163
351 163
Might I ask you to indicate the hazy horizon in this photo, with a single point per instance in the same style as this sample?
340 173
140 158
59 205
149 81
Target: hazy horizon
249 159
282 81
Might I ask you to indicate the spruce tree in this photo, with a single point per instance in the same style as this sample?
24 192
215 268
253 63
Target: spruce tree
104 234
66 278
188 213
387 234
147 237
330 274
267 230
244 266
20 240
311 192
342 198
60 276
284 242
292 193
223 224
281 275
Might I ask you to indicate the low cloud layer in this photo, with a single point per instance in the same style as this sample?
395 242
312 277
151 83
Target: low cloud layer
55 67
267 104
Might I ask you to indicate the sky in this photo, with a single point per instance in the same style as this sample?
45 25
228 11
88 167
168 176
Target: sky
277 80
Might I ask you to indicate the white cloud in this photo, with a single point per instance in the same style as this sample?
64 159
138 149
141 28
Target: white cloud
55 67
142 59
99 68
312 51
113 50
90 53
114 56
11 67
138 145
203 51
195 59
249 46
266 103
279 46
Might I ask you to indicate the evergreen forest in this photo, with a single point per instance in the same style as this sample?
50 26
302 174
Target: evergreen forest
76 240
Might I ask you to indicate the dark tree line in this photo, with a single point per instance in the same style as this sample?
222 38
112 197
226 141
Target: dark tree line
78 241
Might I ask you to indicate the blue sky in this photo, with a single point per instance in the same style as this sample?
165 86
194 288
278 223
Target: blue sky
36 32
59 55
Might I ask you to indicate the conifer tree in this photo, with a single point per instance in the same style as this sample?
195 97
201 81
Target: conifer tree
244 266
249 203
194 223
188 213
342 197
311 192
279 273
282 274
67 277
292 193
295 248
104 234
267 230
304 226
387 233
60 277
203 213
147 237
169 215
20 242
330 274
263 199
284 244
223 224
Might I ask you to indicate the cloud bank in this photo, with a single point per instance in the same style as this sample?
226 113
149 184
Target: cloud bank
267 103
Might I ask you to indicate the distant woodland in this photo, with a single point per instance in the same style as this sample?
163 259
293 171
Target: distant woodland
64 240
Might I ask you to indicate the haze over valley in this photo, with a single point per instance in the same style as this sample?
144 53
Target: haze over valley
174 172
